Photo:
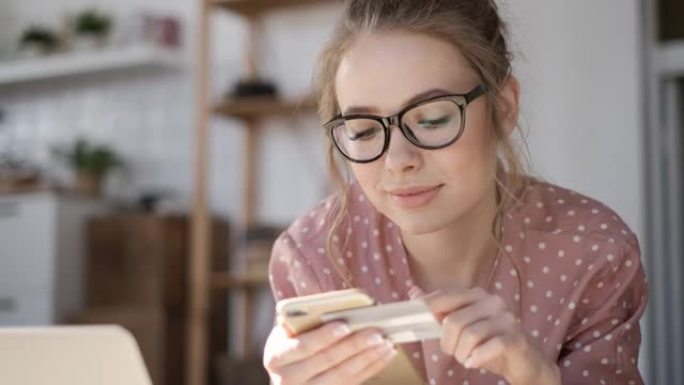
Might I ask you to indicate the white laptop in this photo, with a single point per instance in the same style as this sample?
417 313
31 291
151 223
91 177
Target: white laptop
70 355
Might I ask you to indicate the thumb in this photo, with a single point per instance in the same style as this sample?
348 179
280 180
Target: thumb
431 300
446 301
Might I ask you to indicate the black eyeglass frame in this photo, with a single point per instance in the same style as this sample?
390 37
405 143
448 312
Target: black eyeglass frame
461 100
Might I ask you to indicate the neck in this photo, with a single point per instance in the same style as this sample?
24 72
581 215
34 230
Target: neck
459 255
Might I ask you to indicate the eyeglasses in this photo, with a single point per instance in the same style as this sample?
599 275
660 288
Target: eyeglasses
430 124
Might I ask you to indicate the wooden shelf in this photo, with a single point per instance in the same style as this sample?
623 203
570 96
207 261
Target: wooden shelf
246 281
256 107
203 283
77 63
255 7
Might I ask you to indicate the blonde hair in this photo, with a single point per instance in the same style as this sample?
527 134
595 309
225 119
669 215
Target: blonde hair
475 28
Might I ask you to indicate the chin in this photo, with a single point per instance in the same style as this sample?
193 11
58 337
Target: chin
418 224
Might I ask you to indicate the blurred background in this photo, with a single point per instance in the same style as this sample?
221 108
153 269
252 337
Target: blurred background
151 150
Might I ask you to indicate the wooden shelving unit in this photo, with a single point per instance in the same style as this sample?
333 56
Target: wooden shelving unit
254 7
228 281
257 107
250 111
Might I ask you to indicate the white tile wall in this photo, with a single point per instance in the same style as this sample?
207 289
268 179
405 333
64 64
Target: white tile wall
149 114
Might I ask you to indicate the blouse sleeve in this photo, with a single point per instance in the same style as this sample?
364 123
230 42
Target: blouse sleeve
290 274
602 345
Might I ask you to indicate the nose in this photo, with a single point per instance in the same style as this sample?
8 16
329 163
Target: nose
402 156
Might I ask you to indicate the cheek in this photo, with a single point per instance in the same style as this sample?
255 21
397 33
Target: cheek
473 154
368 175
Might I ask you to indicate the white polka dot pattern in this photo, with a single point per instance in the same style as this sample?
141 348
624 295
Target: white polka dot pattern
569 269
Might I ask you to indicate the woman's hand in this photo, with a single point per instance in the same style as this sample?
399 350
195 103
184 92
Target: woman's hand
481 333
328 355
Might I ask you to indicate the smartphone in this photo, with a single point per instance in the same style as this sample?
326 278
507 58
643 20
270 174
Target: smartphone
301 314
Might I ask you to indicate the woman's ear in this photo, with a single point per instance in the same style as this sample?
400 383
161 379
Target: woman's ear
509 104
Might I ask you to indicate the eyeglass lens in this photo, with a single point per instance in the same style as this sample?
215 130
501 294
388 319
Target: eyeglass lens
431 124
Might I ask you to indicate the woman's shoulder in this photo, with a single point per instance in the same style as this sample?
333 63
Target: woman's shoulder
570 251
554 228
545 207
576 259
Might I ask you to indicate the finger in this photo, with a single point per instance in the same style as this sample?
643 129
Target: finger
486 352
358 367
334 355
454 323
446 301
295 349
375 367
475 334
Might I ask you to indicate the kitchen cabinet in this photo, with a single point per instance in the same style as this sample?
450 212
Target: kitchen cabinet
42 247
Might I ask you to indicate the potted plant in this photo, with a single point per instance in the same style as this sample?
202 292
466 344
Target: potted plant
37 40
91 164
91 29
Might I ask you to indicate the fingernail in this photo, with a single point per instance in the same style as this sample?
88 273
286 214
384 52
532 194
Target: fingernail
414 292
375 339
387 346
341 330
391 353
468 364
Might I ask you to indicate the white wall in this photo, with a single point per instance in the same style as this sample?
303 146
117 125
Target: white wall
581 77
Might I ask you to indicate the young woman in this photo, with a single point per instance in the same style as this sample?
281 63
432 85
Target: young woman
533 283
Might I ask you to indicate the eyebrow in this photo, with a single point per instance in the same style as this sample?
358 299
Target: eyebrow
415 99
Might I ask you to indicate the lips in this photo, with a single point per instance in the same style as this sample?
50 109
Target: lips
414 196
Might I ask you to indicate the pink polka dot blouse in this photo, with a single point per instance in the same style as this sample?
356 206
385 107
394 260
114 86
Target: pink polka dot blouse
570 270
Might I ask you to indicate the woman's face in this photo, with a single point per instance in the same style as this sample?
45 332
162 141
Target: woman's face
382 73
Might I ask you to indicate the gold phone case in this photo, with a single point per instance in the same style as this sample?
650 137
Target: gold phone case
300 314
